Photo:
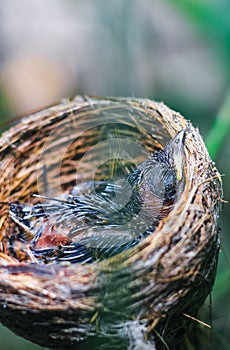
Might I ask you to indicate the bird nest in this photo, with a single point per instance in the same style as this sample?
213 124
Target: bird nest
152 285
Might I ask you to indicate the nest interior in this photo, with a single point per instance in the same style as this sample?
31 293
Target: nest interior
165 276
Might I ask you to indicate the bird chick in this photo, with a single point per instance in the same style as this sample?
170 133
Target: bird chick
98 224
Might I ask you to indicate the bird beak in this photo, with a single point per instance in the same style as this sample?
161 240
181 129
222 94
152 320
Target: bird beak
178 153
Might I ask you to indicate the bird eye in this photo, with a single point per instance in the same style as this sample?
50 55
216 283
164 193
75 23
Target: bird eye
176 141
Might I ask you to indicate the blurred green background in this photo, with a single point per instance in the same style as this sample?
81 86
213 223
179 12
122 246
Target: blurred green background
175 51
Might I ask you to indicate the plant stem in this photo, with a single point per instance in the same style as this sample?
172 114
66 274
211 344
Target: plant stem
219 130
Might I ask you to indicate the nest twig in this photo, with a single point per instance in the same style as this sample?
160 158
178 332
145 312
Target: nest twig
166 275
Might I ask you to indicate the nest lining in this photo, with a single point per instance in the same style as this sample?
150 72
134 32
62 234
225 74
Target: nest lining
167 274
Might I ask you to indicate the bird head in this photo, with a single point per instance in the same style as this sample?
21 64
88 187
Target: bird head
175 153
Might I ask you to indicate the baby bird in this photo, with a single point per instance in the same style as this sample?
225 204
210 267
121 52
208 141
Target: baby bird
98 220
